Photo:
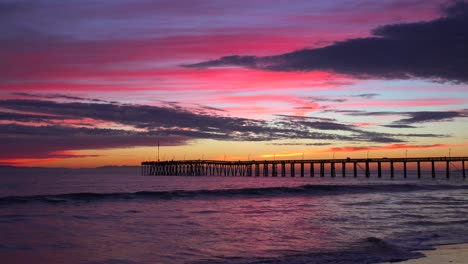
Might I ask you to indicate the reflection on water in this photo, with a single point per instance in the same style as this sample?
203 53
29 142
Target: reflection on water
226 228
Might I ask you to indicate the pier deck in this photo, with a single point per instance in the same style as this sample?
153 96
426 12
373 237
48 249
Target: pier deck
302 168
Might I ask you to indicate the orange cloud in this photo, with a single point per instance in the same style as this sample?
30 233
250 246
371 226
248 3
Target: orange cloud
292 154
27 162
386 147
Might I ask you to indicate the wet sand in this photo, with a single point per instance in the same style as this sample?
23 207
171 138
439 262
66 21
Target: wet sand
446 254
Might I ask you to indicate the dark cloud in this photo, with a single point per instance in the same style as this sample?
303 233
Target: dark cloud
326 99
10 8
354 132
178 120
456 8
305 108
434 50
21 141
20 117
379 137
60 96
140 116
366 95
399 126
43 128
235 60
414 117
429 116
358 134
150 122
344 111
426 135
364 113
340 100
321 125
211 109
302 118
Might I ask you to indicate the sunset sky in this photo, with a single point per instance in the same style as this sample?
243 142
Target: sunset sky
92 83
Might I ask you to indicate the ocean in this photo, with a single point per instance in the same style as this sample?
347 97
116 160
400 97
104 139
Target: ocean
127 218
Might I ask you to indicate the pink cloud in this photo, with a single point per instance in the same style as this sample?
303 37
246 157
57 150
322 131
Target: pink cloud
261 104
26 162
180 79
94 58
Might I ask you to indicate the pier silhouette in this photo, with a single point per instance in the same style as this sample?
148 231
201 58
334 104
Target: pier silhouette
301 168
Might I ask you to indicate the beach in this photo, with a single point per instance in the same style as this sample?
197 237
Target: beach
454 254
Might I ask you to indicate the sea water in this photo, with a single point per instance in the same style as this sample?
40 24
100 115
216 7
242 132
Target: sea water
127 218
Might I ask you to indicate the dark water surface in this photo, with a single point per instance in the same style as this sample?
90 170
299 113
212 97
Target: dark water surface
136 219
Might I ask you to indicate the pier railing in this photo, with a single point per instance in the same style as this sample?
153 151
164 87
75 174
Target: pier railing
302 168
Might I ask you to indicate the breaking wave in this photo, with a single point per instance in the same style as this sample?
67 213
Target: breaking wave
305 190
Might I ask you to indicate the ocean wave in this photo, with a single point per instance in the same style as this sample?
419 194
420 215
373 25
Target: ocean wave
305 190
436 223
369 250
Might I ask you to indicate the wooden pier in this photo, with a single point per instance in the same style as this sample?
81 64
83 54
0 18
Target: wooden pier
302 168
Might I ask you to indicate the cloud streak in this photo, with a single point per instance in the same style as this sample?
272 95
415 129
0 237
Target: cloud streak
430 116
434 50
22 141
385 147
44 128
413 118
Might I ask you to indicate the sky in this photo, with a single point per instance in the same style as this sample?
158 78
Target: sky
98 82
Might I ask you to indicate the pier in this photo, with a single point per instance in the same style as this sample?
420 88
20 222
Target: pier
303 168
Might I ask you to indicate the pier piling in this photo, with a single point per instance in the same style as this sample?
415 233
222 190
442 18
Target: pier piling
332 169
355 169
405 171
463 170
343 169
447 172
262 168
392 170
367 169
379 169
419 170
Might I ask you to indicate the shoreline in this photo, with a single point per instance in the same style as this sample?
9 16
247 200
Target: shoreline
453 254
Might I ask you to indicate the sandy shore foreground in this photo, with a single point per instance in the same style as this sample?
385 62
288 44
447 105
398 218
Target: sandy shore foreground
446 254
